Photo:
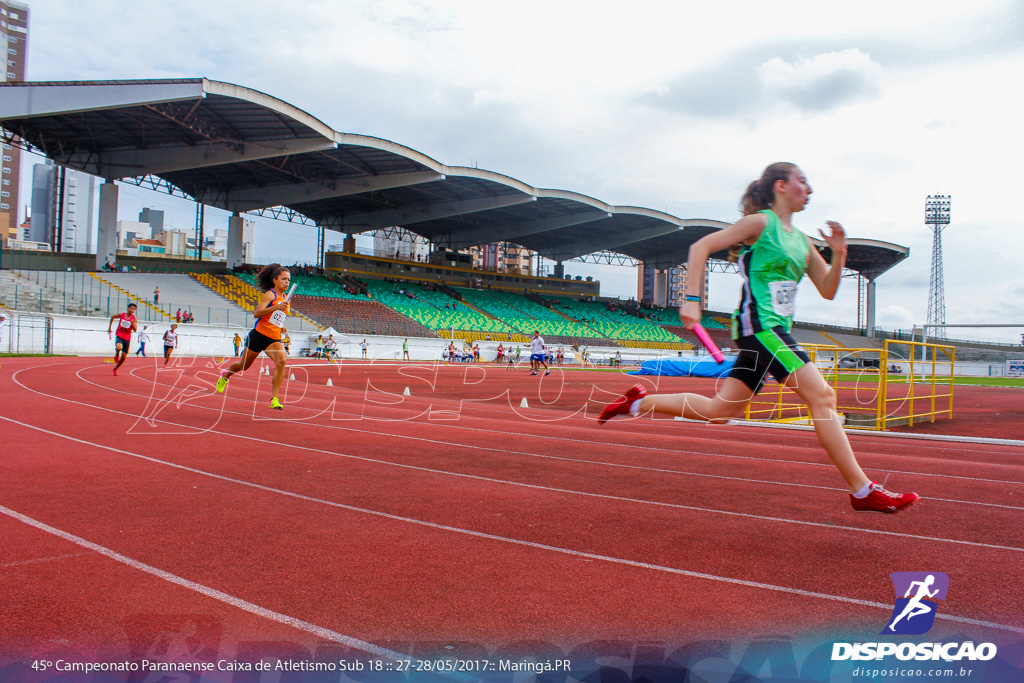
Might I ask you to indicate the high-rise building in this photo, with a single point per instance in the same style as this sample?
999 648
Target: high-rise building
219 243
503 257
75 213
154 217
13 34
399 243
78 229
43 195
666 287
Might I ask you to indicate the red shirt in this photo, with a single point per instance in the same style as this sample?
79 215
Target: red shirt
124 326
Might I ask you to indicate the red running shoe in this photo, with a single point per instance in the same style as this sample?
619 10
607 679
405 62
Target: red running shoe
880 500
620 406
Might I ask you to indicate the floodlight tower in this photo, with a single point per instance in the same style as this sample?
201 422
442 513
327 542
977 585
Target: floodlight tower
936 216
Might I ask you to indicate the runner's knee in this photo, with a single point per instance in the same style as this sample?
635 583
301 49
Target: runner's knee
822 398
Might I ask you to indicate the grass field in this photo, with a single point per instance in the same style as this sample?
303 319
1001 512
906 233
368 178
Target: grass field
959 381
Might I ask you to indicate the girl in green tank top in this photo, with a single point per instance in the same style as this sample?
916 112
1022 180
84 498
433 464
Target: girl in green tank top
771 268
775 256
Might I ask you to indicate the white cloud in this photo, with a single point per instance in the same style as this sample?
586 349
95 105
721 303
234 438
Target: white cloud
672 106
824 81
895 317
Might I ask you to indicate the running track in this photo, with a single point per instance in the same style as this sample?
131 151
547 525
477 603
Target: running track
361 518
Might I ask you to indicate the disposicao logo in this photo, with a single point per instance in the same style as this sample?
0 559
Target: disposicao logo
915 611
914 614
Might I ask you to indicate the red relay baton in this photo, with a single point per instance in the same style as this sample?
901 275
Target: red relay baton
705 339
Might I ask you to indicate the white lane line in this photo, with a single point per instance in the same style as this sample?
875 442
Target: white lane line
213 593
858 434
537 487
334 636
52 558
989 441
524 485
815 445
507 451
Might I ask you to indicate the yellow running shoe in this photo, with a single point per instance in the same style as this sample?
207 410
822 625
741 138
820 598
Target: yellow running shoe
222 384
275 404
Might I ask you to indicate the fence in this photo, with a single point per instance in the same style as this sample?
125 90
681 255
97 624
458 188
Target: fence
27 333
875 388
69 292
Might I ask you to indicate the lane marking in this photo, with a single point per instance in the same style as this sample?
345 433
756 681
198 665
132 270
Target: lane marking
213 593
41 559
383 652
526 485
538 487
888 435
505 451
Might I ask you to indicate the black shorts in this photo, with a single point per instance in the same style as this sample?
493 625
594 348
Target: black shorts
768 352
258 342
125 343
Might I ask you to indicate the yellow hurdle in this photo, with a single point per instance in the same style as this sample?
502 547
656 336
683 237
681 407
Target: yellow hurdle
861 379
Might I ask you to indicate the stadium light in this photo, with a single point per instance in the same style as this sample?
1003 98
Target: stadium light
936 216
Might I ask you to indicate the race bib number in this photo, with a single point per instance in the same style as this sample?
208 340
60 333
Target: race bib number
783 297
277 318
126 324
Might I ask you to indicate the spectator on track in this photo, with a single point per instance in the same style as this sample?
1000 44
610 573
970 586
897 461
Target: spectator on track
143 339
237 341
537 356
364 346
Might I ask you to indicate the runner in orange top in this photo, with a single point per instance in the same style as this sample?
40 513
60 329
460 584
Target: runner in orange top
270 314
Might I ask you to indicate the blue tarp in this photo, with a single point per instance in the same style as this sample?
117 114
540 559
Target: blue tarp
692 366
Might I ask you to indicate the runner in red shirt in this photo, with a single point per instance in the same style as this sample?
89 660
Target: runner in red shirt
127 323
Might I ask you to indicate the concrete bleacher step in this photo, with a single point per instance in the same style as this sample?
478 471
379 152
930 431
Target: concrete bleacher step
20 291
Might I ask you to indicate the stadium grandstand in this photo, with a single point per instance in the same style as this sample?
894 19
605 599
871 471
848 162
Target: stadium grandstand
226 146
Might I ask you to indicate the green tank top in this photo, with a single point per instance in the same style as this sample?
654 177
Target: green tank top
771 268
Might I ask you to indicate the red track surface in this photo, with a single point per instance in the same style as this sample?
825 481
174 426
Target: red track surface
454 514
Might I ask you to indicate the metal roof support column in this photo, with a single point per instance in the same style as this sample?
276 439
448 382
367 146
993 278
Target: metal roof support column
200 220
320 246
236 236
870 305
106 238
58 236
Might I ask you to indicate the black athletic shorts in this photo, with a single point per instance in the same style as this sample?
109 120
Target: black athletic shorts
258 342
767 352
125 343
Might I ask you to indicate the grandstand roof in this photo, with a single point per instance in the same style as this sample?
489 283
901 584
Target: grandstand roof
241 150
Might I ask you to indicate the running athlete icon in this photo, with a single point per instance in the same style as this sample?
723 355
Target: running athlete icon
916 607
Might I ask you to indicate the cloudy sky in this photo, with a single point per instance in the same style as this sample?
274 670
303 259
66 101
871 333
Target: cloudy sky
671 105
